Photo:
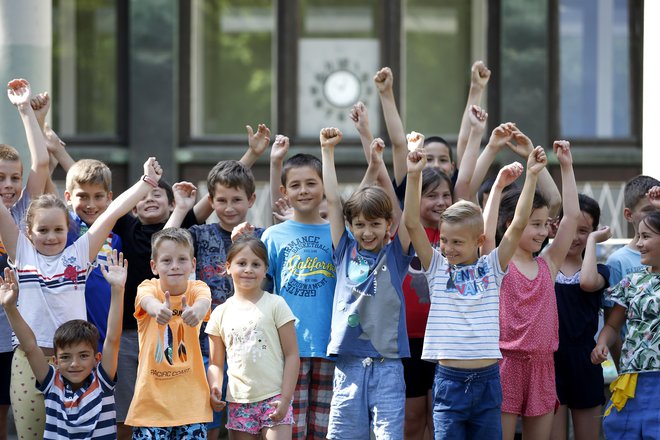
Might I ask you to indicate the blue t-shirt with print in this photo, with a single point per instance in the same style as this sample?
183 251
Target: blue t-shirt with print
97 289
368 314
302 271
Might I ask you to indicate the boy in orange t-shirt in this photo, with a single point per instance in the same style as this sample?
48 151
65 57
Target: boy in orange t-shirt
171 392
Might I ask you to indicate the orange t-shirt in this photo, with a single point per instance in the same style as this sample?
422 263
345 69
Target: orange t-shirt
171 387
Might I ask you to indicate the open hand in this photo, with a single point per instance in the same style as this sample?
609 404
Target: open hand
18 91
259 141
282 210
185 195
241 229
8 289
115 268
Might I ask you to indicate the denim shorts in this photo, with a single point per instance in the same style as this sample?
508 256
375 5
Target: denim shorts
640 417
467 403
368 393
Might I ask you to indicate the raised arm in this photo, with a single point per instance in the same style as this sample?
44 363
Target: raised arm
462 189
479 76
114 272
18 91
535 164
185 194
384 80
360 117
277 153
329 138
26 338
497 141
98 232
506 176
415 165
556 252
8 232
522 146
590 279
257 143
654 196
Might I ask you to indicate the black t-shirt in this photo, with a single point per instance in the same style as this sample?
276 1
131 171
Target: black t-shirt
578 312
136 240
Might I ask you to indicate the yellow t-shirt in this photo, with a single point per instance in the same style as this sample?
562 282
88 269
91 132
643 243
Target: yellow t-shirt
171 387
255 362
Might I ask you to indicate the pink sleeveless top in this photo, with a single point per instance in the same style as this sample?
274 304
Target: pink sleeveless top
528 311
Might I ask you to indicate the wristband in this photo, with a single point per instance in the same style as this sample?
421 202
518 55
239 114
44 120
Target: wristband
150 181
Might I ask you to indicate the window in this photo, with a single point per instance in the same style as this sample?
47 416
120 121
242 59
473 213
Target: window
232 75
595 69
442 39
85 68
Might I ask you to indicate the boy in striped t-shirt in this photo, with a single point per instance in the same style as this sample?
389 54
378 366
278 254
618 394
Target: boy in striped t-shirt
79 386
462 332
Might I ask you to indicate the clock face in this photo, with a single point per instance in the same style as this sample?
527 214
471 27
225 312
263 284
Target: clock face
342 88
333 74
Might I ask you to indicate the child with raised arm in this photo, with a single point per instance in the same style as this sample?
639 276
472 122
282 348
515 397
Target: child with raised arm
528 308
171 393
16 199
88 194
302 271
579 288
462 333
633 409
254 332
368 334
52 275
79 386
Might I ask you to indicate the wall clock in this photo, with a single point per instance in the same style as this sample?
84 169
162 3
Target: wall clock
333 75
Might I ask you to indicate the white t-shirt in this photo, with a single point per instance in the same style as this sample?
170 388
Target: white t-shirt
254 354
464 320
51 288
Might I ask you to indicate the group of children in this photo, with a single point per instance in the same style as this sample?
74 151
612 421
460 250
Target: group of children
397 312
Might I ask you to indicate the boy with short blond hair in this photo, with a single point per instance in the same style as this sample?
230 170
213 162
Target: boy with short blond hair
302 272
172 397
88 194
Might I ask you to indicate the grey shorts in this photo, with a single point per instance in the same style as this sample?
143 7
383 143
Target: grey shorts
126 373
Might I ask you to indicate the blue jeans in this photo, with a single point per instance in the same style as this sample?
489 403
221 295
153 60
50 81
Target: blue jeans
467 403
640 417
367 393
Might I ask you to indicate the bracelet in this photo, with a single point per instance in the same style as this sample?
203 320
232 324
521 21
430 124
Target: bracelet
150 181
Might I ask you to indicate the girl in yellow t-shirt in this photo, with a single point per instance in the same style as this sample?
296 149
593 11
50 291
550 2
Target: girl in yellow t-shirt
255 331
